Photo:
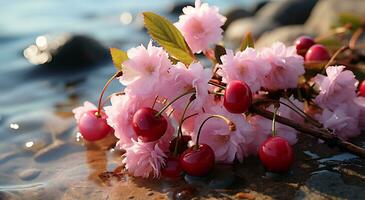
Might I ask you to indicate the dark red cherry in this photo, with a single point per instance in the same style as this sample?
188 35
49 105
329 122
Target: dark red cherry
92 127
197 162
303 43
237 97
147 125
276 154
362 88
182 146
172 168
317 53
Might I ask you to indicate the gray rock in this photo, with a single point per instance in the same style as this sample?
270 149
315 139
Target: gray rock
329 185
285 34
326 14
29 174
235 14
271 16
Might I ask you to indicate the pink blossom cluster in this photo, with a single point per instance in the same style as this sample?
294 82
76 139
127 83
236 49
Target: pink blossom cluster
150 79
343 112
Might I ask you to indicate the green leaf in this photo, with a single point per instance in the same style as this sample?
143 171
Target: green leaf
168 36
349 18
247 42
118 57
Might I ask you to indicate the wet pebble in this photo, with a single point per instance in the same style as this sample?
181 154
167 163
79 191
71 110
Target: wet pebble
184 193
223 178
196 180
29 174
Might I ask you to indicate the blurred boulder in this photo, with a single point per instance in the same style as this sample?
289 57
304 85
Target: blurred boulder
79 50
66 52
176 9
271 16
258 6
234 14
285 34
326 14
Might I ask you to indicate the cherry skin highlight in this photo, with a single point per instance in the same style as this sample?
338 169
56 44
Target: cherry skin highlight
147 125
198 162
237 97
362 88
317 53
303 43
276 154
172 168
92 127
182 146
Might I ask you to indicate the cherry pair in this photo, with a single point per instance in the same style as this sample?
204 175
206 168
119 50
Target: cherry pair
312 52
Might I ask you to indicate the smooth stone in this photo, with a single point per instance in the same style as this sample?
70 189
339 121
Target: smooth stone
285 34
196 180
29 174
235 14
326 14
327 185
222 178
273 15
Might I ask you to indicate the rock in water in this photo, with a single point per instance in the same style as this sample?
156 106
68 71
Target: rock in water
79 50
271 16
327 12
234 14
29 174
66 52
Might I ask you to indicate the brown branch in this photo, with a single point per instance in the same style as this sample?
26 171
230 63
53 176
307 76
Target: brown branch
321 134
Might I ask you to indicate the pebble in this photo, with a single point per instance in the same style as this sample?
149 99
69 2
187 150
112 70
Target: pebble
29 174
244 195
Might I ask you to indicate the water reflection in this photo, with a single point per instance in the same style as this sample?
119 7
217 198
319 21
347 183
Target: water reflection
126 18
14 126
29 144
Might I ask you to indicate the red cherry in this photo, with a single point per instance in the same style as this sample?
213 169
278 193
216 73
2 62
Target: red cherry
147 125
317 53
303 43
197 162
182 146
93 128
362 88
276 154
237 97
172 168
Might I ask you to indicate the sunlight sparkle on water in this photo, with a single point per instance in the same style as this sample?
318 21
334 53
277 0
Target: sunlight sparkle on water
29 144
14 126
126 18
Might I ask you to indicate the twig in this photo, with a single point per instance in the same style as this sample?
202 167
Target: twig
303 128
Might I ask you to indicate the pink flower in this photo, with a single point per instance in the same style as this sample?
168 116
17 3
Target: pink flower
263 126
343 120
201 26
120 114
286 66
144 159
360 102
336 88
245 66
227 145
145 70
79 111
184 79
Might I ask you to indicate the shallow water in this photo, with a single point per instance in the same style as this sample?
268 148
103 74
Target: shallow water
43 157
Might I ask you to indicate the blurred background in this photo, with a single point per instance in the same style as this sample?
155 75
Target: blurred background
54 55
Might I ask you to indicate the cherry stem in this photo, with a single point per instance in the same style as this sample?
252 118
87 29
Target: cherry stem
231 126
355 37
117 74
273 125
154 102
306 116
217 85
179 131
216 93
343 48
322 134
173 101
